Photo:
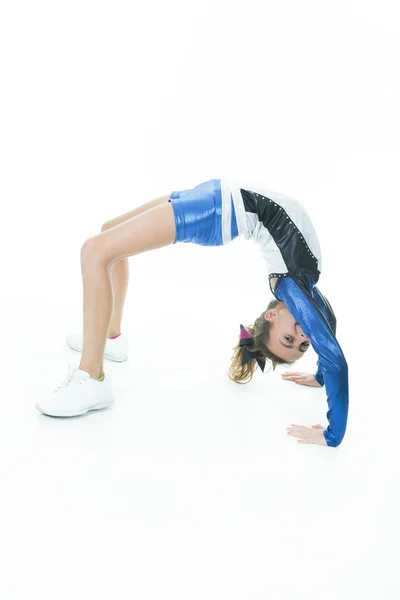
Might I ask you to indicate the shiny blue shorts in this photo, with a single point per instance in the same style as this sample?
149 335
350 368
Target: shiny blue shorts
204 215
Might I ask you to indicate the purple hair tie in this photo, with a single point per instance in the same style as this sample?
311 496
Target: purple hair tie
247 340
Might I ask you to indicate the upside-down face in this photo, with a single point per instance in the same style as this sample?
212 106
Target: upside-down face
287 340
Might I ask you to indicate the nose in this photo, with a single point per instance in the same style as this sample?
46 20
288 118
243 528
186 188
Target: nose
302 334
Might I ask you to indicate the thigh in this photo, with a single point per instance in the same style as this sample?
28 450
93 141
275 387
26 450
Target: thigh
151 229
136 211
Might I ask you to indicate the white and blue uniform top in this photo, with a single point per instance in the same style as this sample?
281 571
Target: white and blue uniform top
219 210
277 223
282 228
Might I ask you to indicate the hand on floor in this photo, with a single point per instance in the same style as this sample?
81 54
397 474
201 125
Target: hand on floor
308 435
302 378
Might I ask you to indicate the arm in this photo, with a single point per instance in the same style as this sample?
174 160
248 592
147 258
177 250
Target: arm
331 361
319 376
327 309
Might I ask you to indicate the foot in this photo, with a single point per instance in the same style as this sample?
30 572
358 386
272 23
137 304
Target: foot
116 349
78 394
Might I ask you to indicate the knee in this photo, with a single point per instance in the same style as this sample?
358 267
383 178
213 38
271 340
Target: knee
91 250
106 226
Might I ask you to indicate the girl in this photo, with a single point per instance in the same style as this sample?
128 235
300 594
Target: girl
212 214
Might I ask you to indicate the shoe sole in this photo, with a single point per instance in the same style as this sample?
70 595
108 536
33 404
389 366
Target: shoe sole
77 414
108 356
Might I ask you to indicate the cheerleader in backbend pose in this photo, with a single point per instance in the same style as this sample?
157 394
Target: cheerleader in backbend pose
212 214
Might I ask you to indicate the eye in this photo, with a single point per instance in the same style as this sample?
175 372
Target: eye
290 340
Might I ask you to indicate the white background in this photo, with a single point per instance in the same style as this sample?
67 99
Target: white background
189 488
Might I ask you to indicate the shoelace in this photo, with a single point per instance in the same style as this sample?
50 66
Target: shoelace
69 377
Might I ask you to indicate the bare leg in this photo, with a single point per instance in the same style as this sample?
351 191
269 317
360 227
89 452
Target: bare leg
148 230
119 271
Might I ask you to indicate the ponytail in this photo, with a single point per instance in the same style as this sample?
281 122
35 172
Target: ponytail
260 330
237 371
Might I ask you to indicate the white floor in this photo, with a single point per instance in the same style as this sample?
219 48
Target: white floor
189 487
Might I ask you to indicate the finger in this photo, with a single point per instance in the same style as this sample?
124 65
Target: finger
297 434
304 442
299 431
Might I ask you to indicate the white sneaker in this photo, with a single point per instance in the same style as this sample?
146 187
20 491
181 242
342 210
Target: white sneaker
116 349
78 394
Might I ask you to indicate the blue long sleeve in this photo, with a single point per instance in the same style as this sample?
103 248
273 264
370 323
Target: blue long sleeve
309 313
319 376
327 309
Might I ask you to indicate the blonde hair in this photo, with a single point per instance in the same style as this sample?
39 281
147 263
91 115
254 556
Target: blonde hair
260 330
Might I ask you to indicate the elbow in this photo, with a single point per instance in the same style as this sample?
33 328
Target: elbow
334 439
335 442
